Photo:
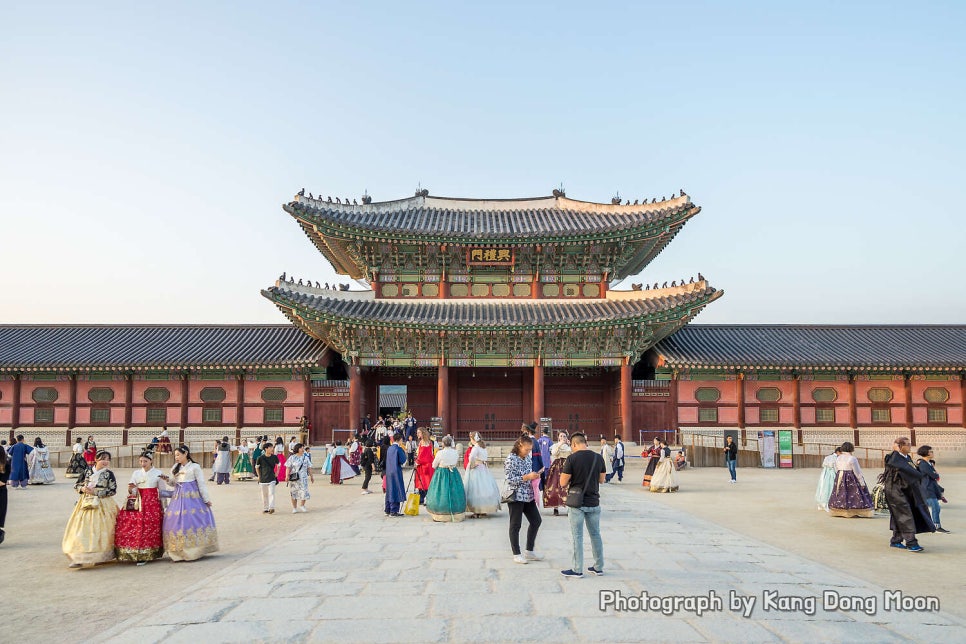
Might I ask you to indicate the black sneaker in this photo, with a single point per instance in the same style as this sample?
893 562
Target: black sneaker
594 571
570 574
943 530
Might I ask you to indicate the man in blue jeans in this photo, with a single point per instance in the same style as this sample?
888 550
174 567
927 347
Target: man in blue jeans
584 469
731 457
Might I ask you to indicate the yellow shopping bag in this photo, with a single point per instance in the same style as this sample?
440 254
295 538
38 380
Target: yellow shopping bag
412 505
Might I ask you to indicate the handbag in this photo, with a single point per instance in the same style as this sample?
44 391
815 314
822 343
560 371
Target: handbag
133 503
90 502
575 495
411 508
509 494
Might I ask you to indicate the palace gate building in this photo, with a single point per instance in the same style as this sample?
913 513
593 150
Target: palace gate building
487 314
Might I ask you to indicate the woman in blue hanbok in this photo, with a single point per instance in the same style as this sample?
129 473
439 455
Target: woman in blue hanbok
482 492
446 497
826 480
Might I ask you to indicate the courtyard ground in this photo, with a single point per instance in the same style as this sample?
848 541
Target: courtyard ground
344 571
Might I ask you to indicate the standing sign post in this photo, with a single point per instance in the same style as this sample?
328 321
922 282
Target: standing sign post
766 443
784 448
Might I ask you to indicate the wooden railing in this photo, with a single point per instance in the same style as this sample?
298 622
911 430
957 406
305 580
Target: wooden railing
706 450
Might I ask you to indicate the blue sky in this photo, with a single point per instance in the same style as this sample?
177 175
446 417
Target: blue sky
145 151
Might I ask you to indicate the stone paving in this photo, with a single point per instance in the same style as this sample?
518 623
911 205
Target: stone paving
355 575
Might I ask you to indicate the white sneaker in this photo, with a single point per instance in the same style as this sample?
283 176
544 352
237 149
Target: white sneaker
302 508
519 559
529 555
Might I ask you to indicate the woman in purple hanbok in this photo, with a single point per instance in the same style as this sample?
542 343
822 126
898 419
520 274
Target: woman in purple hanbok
189 526
850 495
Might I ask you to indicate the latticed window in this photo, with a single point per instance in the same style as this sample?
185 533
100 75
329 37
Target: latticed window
100 415
936 394
211 415
273 415
100 395
157 415
936 415
825 414
768 414
707 394
769 394
881 415
274 394
44 394
707 415
212 394
43 415
824 394
157 394
880 394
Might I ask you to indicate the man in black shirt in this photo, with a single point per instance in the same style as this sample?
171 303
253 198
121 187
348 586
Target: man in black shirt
265 469
584 469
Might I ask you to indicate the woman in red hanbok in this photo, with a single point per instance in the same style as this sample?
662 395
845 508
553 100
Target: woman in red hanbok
341 469
424 464
653 456
138 533
90 451
281 472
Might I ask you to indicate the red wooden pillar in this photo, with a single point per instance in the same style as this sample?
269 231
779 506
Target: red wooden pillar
673 402
797 406
128 405
307 400
184 406
442 397
910 424
538 399
853 415
355 395
626 414
741 408
962 397
15 410
71 403
239 404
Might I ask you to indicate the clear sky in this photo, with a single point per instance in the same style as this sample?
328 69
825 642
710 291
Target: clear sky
146 148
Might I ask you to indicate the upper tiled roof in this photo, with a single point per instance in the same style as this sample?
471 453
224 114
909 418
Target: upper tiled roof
109 347
502 219
363 308
817 347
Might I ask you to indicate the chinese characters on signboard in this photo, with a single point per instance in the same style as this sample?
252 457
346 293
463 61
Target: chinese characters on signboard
489 257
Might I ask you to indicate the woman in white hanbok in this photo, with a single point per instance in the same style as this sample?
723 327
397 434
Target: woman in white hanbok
665 477
482 492
40 471
607 452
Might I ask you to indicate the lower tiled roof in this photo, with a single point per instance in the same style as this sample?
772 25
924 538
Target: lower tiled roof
363 309
108 347
817 347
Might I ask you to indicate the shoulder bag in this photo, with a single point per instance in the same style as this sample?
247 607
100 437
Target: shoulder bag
575 495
